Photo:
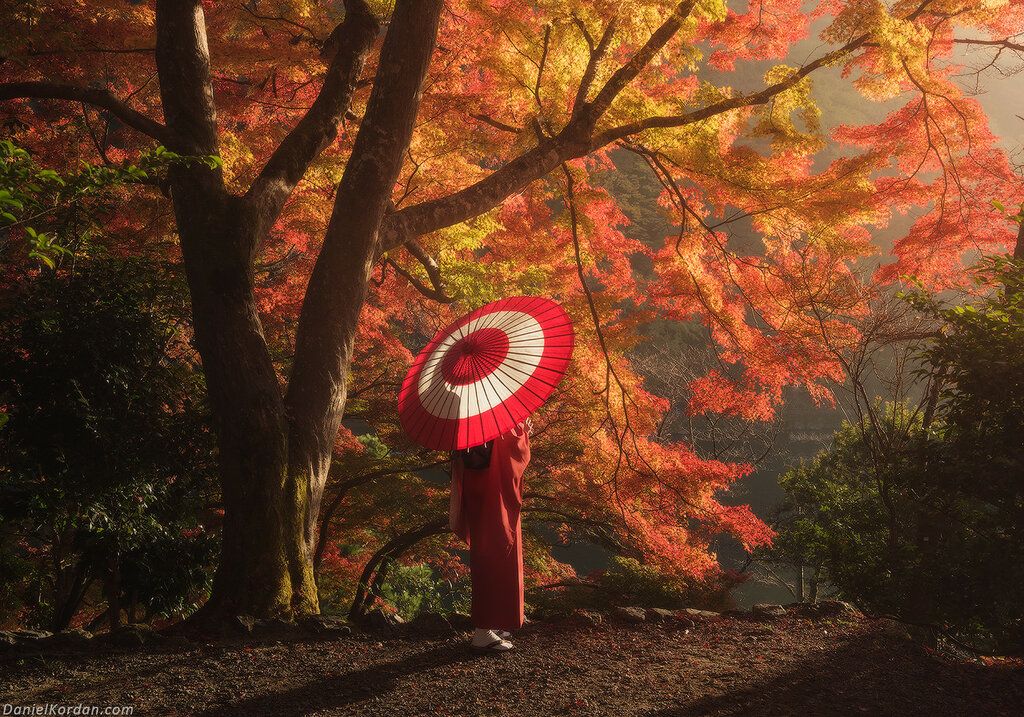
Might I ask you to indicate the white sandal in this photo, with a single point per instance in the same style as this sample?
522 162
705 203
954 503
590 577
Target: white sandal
498 645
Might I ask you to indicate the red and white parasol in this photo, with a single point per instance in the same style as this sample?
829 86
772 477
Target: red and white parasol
485 373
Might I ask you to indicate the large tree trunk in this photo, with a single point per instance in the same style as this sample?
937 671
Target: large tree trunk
254 575
337 288
273 461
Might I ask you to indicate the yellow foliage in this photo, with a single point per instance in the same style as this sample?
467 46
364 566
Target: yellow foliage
777 119
238 157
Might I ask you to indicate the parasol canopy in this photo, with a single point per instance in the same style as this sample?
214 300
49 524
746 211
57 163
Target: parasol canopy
485 373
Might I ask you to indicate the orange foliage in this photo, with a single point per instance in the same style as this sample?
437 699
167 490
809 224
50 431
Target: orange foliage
507 71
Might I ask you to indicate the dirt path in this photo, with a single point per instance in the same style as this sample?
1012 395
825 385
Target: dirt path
791 666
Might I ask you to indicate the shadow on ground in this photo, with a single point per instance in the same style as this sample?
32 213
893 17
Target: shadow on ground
730 667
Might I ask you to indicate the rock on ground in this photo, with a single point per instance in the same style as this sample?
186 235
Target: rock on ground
695 614
768 610
660 614
630 614
585 618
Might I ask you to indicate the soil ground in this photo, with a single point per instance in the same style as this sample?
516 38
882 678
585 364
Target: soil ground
732 666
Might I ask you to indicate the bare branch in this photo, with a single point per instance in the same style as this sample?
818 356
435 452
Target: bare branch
433 271
436 290
342 489
70 51
497 124
95 97
540 66
302 29
1018 248
1005 43
376 568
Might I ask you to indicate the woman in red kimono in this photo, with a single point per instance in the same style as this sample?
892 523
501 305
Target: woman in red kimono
486 498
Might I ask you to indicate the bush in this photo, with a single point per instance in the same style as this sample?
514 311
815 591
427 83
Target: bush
630 582
106 457
412 589
919 512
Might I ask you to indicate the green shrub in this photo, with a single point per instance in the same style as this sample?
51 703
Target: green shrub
919 512
412 589
630 582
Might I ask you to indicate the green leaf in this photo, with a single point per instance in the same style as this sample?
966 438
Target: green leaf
43 258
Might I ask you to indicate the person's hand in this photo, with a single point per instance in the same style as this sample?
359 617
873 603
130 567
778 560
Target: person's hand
529 426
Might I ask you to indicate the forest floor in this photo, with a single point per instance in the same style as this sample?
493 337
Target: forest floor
731 666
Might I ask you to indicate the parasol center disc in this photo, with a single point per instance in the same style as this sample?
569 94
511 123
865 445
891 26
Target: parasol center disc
474 356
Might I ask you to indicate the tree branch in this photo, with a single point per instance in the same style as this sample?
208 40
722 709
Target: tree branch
584 31
497 124
1005 43
747 100
628 72
346 47
431 267
436 290
65 51
376 567
578 139
95 97
540 68
342 489
513 177
1018 248
572 142
596 54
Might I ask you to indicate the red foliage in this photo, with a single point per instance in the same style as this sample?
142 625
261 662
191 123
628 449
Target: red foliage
775 299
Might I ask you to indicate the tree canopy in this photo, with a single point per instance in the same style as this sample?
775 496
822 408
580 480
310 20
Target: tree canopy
381 169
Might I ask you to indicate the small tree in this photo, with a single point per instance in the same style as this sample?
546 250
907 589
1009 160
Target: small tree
921 514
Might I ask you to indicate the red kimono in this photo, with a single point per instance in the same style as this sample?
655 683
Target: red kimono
485 507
